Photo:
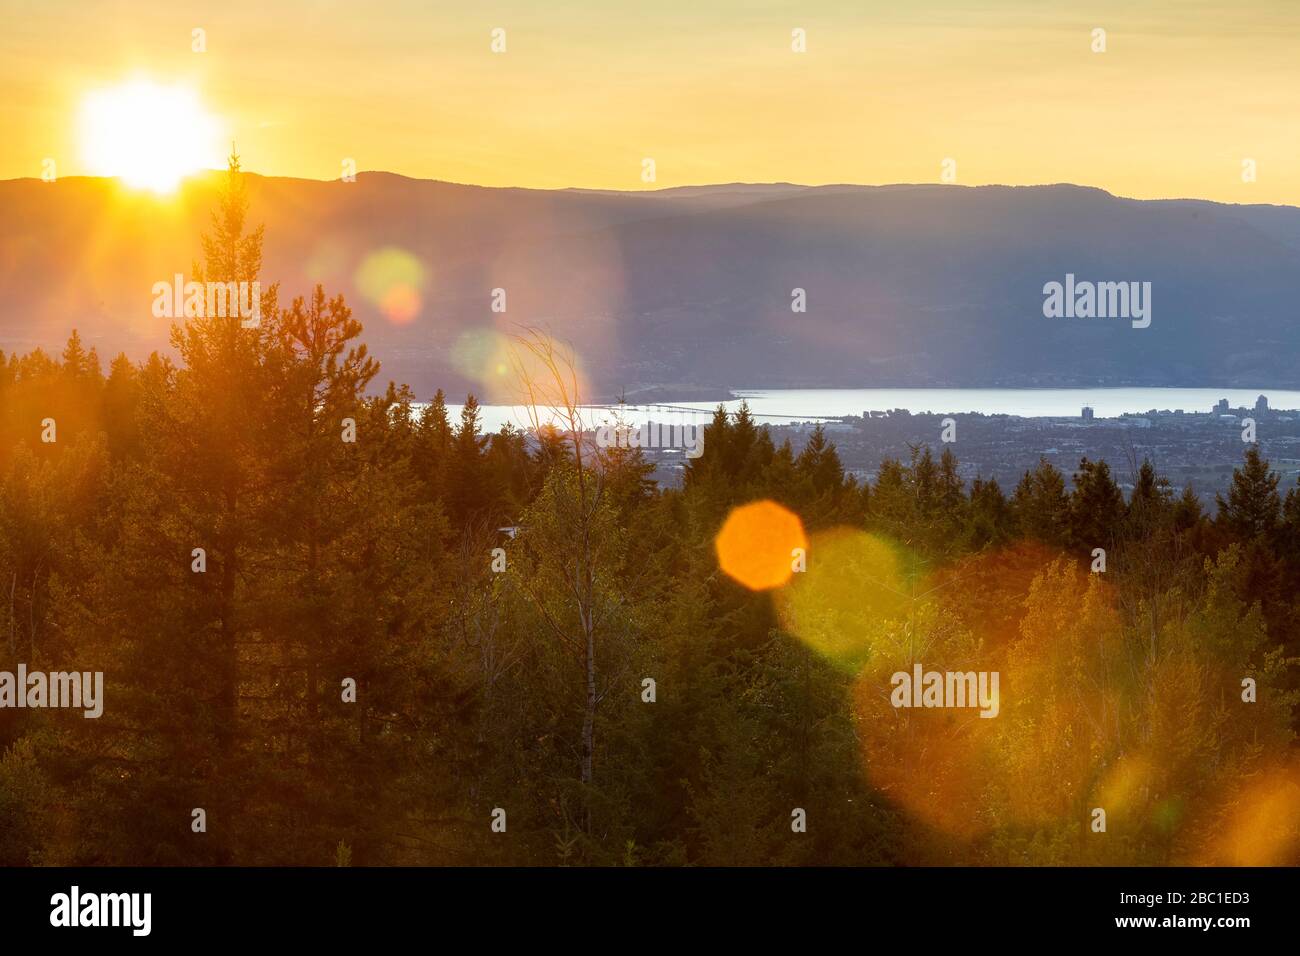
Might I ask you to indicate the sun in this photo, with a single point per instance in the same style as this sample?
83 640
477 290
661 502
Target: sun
148 135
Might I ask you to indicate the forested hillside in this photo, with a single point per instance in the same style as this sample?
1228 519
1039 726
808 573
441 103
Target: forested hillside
236 535
905 285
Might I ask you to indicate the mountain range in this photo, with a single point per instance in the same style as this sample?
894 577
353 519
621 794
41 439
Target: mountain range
687 292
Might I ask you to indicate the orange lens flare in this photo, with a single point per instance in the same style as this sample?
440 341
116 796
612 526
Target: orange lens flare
758 543
393 280
1257 823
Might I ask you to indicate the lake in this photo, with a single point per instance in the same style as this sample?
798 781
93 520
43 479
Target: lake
806 404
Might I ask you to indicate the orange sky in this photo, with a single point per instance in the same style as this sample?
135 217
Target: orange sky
710 89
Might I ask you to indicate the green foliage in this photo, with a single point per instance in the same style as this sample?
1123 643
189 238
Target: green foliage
1252 506
375 561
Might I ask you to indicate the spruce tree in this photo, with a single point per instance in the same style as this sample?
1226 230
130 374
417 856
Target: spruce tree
1253 507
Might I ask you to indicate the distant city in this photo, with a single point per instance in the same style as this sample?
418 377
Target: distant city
1196 448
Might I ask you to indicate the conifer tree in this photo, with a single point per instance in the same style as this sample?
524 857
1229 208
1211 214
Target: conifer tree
432 453
469 493
1252 507
1041 505
1096 507
1187 511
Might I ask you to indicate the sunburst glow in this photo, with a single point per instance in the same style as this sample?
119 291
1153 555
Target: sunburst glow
148 135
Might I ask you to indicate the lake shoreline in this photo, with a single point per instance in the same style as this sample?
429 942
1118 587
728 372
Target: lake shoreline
788 406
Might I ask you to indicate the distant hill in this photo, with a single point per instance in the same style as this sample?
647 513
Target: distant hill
691 287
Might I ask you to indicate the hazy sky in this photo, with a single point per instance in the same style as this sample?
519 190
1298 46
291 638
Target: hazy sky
710 89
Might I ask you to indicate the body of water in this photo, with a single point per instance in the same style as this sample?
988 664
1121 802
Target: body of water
778 406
